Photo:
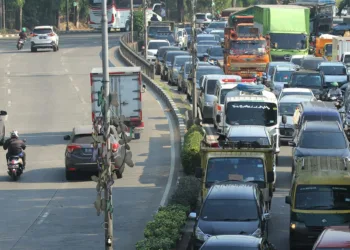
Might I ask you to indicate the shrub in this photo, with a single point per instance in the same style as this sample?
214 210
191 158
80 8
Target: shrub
154 244
195 128
186 193
190 156
138 22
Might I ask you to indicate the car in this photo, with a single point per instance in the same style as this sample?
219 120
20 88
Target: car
183 75
311 62
296 59
286 107
320 138
153 31
216 26
167 62
177 62
271 66
44 37
221 33
160 54
334 72
242 242
296 91
280 76
215 54
217 42
2 126
182 38
202 51
203 18
166 35
79 152
152 48
335 238
205 37
230 208
310 80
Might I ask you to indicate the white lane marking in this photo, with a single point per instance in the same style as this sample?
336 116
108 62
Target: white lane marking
8 65
71 79
43 217
8 72
172 159
8 80
76 88
9 103
9 91
66 70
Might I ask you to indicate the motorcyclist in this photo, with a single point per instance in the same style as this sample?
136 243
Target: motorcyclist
22 34
154 18
15 147
335 90
264 79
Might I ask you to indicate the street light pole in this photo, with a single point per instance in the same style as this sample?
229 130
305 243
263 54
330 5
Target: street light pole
67 15
194 63
145 30
132 20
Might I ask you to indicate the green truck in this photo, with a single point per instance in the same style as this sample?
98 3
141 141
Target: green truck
287 27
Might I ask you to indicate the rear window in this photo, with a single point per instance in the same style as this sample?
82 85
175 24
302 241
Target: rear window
156 45
319 118
85 139
311 64
211 84
200 16
205 38
42 31
322 140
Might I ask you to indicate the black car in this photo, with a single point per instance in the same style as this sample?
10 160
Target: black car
166 62
215 53
310 80
160 54
320 138
241 242
231 208
311 62
202 51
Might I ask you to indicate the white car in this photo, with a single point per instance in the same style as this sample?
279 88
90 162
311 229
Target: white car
182 38
295 91
296 59
152 48
44 37
203 18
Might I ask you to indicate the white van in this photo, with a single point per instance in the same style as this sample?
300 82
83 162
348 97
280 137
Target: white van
203 18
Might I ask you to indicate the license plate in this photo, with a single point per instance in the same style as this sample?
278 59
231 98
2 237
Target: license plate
42 37
88 150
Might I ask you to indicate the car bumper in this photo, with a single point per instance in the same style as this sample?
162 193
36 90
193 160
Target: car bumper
304 239
81 167
207 112
43 45
286 134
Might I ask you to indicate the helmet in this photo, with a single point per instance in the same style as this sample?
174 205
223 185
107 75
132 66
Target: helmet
14 134
264 76
24 29
334 84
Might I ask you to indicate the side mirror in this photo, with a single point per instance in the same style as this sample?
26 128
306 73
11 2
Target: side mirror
218 118
189 78
2 113
288 200
292 144
66 137
198 173
270 177
266 216
192 216
284 119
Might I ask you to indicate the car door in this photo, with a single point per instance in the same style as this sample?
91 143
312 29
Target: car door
202 93
180 77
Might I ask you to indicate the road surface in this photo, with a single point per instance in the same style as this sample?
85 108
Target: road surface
46 94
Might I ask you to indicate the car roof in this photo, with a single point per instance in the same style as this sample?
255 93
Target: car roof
204 35
337 236
183 56
83 130
177 52
215 47
331 64
158 40
313 58
286 67
219 22
321 107
232 190
296 90
217 31
234 241
247 131
325 126
296 98
297 56
209 66
168 47
306 71
43 27
273 64
220 77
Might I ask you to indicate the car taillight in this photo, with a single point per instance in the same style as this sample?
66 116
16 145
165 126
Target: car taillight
115 147
214 144
13 162
51 34
71 148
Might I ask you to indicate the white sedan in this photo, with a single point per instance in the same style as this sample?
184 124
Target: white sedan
44 37
295 91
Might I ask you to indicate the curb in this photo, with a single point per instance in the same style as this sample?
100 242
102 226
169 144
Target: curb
8 36
166 98
60 33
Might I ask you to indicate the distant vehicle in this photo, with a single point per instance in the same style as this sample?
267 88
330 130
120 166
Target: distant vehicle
204 18
242 242
216 26
183 75
231 207
335 238
280 76
221 33
212 43
152 48
159 56
296 91
202 51
296 59
215 54
182 38
177 62
311 62
44 37
271 66
310 80
167 62
205 37
334 72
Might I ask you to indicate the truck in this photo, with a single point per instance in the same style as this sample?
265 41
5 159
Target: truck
126 87
340 49
324 46
238 161
286 26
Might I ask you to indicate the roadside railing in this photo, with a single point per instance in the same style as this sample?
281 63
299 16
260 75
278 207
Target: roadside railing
129 50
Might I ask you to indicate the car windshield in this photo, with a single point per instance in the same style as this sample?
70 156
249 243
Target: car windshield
347 59
333 70
181 61
308 80
170 56
322 197
84 139
244 30
211 71
328 49
162 53
211 84
251 113
311 64
217 25
272 67
264 141
203 48
287 108
282 76
165 36
288 41
221 34
296 93
156 45
223 95
248 47
205 38
296 61
200 16
42 31
216 51
322 140
153 30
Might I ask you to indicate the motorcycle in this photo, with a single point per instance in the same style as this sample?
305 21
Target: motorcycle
20 44
337 100
15 166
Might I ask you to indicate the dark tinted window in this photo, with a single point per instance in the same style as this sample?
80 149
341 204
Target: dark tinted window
229 210
333 70
322 140
282 76
311 64
322 197
264 141
170 56
296 61
223 95
328 49
287 108
42 31
205 38
244 30
307 80
319 118
85 139
203 48
211 84
181 61
203 71
162 53
288 41
216 51
200 16
153 30
156 45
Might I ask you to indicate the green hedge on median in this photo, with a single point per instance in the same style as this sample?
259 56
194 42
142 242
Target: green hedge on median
164 231
190 155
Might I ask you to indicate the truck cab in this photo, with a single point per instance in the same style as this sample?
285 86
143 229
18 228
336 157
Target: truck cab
324 45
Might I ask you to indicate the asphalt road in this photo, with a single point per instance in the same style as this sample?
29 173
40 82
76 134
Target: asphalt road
46 94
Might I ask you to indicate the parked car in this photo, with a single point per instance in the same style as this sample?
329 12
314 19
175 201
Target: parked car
160 55
44 37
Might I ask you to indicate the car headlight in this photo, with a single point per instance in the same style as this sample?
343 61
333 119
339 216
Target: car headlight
295 225
257 233
208 104
200 235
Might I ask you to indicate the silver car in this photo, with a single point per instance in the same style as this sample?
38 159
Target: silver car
177 62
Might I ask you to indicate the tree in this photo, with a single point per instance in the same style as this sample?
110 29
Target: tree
18 4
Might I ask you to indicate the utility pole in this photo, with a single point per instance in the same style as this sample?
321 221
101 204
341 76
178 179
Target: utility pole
145 30
194 63
67 15
132 20
3 14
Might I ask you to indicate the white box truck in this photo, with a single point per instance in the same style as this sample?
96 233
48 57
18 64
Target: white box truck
340 45
127 84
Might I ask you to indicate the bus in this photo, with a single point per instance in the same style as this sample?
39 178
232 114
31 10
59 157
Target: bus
118 13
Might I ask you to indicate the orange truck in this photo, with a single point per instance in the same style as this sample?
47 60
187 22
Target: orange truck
324 46
246 52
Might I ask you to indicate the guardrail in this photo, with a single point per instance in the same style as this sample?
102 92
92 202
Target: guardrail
136 59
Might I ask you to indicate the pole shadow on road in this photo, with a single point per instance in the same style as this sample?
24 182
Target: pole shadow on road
45 138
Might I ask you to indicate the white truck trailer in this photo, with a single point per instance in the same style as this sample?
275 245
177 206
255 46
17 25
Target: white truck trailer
126 83
340 46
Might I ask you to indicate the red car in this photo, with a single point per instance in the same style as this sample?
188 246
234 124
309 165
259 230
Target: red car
336 237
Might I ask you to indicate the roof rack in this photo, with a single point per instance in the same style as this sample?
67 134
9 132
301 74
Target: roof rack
324 163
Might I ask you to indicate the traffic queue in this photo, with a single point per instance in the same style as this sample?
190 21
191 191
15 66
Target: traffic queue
260 92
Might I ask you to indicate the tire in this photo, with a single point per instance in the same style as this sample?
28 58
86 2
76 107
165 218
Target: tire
54 48
14 177
109 30
119 175
33 49
69 176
